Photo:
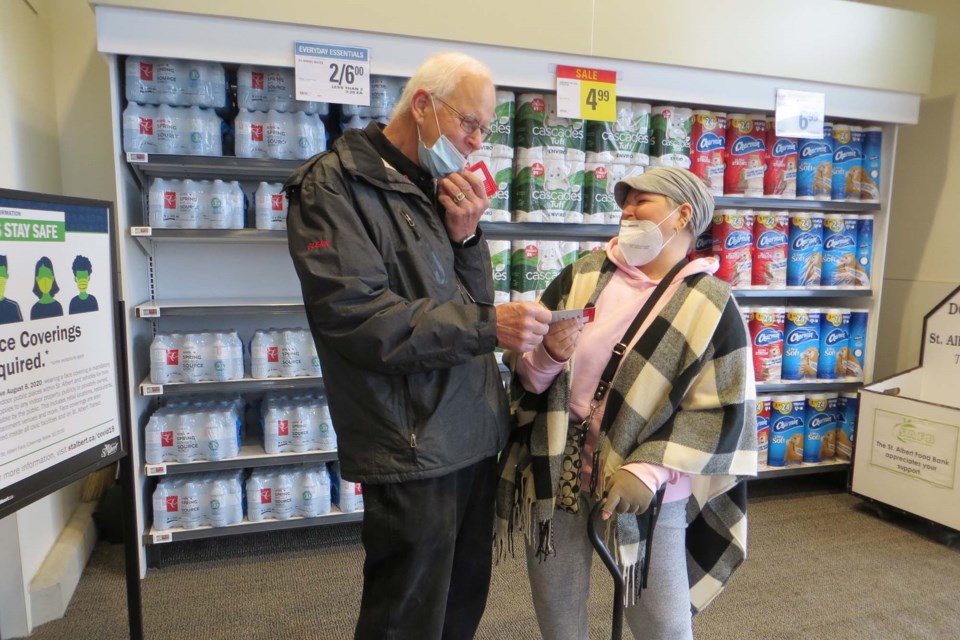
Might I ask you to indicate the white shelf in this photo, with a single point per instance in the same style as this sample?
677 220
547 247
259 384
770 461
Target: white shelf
802 469
148 388
251 455
161 308
178 535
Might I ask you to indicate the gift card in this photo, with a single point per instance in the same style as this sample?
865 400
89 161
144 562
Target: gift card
565 314
481 171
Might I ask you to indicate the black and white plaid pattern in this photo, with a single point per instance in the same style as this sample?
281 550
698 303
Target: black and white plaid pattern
683 398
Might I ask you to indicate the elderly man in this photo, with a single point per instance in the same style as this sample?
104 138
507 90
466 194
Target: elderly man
398 290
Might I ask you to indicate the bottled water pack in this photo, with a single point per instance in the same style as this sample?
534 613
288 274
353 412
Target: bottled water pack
194 431
265 88
196 357
197 500
348 496
297 424
283 353
196 204
175 82
384 94
281 493
191 131
278 135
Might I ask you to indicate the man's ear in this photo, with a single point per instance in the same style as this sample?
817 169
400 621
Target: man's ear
418 105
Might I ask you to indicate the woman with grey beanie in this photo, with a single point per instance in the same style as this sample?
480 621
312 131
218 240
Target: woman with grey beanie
648 407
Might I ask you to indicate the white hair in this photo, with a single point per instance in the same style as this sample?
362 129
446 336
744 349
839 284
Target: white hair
440 74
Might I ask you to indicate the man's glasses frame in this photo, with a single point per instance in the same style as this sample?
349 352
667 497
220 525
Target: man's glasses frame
469 124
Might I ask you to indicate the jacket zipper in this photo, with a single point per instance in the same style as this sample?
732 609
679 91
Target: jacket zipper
413 446
413 227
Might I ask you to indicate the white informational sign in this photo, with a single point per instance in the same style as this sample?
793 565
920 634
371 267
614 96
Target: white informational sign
59 411
332 73
800 114
941 352
915 447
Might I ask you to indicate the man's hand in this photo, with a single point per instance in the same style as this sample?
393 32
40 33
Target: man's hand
521 325
561 341
626 493
463 196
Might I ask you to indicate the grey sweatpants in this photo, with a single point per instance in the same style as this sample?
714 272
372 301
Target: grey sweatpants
561 584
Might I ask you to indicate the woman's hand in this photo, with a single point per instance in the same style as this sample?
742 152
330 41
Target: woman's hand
626 493
561 341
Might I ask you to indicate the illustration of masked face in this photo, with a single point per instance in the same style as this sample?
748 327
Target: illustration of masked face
45 280
83 281
3 281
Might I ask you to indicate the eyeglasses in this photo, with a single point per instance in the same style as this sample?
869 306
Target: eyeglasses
469 124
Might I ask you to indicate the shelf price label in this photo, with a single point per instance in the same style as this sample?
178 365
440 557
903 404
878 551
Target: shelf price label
332 73
587 94
137 157
162 538
156 469
151 389
800 113
148 311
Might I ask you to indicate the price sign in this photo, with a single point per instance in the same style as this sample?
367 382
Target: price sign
332 73
800 114
588 94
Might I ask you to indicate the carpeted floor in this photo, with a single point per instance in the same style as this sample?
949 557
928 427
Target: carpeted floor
821 566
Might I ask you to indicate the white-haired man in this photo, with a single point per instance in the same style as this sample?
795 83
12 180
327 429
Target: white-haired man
398 289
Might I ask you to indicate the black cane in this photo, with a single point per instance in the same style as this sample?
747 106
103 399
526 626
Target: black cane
597 540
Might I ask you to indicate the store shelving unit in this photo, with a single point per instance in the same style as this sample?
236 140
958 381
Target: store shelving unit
173 279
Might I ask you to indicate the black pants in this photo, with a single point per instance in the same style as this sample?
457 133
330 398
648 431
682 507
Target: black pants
429 553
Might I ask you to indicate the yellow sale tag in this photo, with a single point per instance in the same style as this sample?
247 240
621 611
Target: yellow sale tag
588 94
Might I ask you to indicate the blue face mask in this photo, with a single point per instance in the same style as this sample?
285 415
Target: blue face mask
442 158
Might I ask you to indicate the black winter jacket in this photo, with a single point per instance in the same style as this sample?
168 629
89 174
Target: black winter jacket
403 321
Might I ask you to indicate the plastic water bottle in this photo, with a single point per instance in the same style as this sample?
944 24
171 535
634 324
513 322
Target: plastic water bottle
189 202
238 208
170 78
166 507
235 346
191 359
158 439
185 438
217 436
270 206
309 134
190 505
169 128
249 138
283 496
139 129
164 360
220 357
312 357
301 439
276 130
291 353
265 354
216 213
273 426
256 509
218 504
206 84
327 438
138 80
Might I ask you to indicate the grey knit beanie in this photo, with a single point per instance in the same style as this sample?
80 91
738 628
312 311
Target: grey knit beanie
677 184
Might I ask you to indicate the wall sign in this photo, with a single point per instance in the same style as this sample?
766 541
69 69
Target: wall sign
800 114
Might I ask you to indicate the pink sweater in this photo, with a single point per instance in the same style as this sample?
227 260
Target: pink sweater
616 308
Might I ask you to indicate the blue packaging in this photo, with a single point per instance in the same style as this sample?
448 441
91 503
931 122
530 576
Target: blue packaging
847 407
805 251
820 423
763 428
839 250
834 344
858 344
786 430
872 148
864 248
815 170
847 162
801 350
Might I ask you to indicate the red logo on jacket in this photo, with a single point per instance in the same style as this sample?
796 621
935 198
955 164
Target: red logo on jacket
318 244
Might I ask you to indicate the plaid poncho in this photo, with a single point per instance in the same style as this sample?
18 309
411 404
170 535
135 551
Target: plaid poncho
683 398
